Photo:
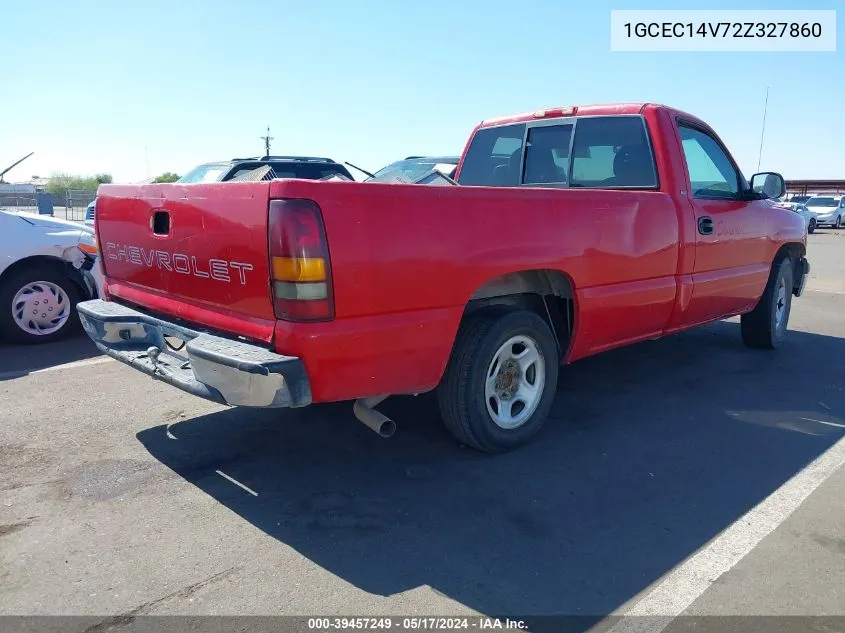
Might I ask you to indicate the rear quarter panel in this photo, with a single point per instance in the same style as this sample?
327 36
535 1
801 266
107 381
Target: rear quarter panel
406 259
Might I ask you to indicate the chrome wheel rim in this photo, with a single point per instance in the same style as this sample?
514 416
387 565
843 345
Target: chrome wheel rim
780 305
41 308
514 382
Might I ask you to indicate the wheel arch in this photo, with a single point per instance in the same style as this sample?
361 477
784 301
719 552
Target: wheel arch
548 292
61 266
794 251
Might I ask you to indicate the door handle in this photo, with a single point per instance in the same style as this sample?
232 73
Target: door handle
705 225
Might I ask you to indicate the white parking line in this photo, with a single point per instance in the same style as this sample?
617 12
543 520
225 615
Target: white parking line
833 288
680 588
841 426
237 483
73 365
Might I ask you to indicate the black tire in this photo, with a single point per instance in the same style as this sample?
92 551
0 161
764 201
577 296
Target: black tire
16 280
838 224
811 228
461 393
759 327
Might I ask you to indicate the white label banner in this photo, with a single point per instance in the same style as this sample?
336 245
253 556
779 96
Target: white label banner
723 30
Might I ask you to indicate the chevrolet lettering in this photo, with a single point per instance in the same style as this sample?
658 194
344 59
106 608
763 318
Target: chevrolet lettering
219 269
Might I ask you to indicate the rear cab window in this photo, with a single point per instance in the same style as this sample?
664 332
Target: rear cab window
547 156
494 157
602 152
612 152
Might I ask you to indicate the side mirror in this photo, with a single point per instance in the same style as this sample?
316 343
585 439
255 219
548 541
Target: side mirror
768 184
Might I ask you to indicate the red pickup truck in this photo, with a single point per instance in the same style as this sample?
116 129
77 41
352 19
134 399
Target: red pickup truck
571 231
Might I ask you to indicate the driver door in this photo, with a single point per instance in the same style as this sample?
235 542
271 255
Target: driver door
731 249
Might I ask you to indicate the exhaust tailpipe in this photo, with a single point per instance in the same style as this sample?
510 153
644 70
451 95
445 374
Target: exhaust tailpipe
378 422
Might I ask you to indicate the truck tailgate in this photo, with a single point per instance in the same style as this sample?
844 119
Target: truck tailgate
197 252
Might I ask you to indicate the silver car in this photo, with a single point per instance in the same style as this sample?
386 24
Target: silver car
810 221
827 210
801 209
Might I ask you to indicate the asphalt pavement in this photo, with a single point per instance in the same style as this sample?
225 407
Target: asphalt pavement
688 475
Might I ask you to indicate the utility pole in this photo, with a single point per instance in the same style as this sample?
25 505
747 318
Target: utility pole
267 140
763 131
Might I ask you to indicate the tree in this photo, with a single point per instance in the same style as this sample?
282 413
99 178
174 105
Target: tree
60 183
167 176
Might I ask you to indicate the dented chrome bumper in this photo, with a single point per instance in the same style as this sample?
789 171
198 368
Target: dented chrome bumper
213 367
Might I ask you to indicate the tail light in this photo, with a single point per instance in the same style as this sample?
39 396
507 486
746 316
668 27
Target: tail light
300 269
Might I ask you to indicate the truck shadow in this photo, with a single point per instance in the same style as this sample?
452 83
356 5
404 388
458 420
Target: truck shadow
651 452
19 360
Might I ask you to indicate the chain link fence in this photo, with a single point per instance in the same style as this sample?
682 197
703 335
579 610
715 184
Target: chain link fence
17 200
75 203
69 205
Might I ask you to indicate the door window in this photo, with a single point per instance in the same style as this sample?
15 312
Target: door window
711 173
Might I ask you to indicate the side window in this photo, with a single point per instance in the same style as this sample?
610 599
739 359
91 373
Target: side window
547 154
711 173
610 152
494 157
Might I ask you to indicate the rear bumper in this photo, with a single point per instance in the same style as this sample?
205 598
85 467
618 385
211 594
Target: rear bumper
213 367
802 271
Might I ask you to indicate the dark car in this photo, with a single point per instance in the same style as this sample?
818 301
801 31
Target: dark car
413 168
799 199
266 168
256 168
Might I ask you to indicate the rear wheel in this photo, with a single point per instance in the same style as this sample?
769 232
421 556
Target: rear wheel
38 305
765 326
501 379
811 228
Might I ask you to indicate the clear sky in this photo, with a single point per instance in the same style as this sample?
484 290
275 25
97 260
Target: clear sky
88 85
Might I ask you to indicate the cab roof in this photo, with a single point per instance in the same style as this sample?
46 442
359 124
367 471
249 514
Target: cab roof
600 109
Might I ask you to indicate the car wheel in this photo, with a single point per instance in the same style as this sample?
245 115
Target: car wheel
838 221
765 326
811 228
501 379
38 305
